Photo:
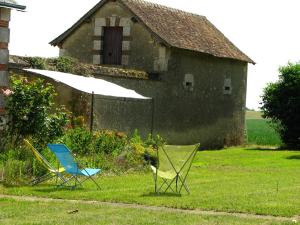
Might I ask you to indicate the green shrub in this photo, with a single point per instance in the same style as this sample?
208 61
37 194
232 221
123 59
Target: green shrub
37 63
16 166
19 165
109 142
131 157
65 64
281 104
135 137
32 114
82 142
79 140
155 142
138 153
78 121
31 111
15 171
109 150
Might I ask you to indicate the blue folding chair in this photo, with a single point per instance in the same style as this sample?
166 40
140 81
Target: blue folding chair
67 161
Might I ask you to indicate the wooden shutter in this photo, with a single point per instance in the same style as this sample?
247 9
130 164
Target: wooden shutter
112 46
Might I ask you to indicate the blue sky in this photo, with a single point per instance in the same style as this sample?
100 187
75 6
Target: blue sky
267 31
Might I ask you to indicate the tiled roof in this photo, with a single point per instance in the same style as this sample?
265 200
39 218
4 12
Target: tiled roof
175 28
11 4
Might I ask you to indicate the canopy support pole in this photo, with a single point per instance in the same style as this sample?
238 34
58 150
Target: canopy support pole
152 118
92 112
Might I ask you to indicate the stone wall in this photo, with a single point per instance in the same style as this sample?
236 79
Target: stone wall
210 109
123 115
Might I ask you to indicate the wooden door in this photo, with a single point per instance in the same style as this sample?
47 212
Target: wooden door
112 45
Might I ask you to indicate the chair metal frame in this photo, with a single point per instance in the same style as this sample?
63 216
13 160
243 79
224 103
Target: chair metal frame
52 172
178 178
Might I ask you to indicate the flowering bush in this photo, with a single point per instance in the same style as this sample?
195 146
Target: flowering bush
111 150
31 112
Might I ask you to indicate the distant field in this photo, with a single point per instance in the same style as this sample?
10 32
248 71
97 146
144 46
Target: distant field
259 132
253 115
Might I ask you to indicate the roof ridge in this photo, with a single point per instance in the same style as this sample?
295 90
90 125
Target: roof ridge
165 7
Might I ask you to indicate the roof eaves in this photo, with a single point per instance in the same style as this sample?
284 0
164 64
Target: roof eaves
216 56
245 57
61 37
12 6
64 35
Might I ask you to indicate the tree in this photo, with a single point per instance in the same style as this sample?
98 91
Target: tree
31 111
281 104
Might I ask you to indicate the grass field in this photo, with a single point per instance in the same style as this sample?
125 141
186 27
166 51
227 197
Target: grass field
22 212
234 180
250 180
259 132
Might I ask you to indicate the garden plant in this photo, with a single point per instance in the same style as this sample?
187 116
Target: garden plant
281 104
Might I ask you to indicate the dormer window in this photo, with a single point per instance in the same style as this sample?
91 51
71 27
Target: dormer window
112 45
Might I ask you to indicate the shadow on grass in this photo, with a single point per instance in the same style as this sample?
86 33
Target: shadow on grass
293 157
57 189
154 194
263 148
8 185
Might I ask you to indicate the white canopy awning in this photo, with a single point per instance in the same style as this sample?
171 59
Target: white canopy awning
89 84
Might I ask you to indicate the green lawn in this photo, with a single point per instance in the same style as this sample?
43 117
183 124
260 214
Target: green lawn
22 212
234 180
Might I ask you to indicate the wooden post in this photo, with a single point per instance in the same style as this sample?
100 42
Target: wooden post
92 112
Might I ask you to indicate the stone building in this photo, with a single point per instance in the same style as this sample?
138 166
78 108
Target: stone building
195 75
5 11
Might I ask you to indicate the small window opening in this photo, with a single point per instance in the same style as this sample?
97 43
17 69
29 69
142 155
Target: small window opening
134 20
188 82
227 89
154 76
